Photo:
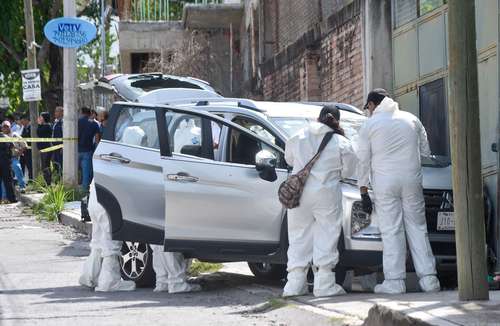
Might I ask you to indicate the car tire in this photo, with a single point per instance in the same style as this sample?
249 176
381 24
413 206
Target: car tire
448 280
134 268
266 271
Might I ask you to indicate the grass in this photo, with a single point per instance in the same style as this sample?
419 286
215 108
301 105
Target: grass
200 267
55 195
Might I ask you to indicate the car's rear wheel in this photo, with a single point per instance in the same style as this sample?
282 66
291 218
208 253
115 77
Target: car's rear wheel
136 262
267 271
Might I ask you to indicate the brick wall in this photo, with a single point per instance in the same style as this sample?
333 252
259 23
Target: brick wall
342 64
284 84
326 66
295 18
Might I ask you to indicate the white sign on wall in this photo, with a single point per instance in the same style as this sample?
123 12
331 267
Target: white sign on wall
32 88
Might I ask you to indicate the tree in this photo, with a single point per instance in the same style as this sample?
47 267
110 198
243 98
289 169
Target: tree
49 56
197 57
13 50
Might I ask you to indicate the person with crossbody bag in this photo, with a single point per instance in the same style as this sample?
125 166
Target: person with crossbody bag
321 156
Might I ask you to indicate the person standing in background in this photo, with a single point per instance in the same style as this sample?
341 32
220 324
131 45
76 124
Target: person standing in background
26 157
17 149
103 120
44 130
88 130
57 132
6 171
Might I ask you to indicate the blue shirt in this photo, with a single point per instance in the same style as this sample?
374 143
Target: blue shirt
87 129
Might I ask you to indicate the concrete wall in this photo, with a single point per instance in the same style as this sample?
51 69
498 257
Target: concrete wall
151 37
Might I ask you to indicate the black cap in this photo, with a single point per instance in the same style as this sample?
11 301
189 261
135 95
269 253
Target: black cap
376 96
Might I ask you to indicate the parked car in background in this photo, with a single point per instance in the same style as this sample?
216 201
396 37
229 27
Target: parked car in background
198 182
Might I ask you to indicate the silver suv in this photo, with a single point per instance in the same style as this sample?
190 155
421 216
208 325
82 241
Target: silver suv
202 176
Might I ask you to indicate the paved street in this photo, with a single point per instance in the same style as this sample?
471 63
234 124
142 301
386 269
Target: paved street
39 268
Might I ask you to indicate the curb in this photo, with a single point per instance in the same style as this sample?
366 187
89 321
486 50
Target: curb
69 218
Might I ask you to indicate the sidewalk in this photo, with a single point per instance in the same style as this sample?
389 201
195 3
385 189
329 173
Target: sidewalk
361 308
69 216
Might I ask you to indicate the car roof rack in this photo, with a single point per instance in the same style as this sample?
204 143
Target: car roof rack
242 103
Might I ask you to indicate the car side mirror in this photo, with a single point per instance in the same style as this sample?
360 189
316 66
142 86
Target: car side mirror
265 164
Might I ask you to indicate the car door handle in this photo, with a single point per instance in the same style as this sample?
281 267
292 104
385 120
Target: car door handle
182 177
114 157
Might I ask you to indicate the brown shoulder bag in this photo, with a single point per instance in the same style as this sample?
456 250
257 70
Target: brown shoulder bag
291 189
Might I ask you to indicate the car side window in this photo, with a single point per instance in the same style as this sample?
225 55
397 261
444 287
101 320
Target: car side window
185 134
137 126
243 148
258 129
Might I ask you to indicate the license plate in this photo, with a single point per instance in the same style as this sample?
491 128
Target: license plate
446 221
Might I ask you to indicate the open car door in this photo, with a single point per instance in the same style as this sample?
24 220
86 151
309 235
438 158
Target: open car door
216 204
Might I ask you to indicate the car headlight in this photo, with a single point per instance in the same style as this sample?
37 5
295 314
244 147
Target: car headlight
361 224
359 219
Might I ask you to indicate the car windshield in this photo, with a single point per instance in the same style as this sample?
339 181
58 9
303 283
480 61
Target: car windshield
291 125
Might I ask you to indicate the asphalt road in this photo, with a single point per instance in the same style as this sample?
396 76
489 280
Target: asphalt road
39 269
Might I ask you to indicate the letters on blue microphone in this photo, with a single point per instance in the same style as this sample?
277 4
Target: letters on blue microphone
69 32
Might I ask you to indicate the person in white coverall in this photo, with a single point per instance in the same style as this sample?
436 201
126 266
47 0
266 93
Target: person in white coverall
314 226
170 268
101 270
391 143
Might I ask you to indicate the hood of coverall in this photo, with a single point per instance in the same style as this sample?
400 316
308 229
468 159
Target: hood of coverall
387 105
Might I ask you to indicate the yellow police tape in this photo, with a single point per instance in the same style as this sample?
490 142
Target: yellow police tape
51 149
33 140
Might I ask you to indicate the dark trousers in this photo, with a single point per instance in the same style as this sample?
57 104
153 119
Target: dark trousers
26 163
6 178
57 160
45 159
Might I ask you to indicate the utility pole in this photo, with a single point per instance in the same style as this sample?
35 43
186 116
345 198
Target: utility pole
33 105
70 125
103 38
466 152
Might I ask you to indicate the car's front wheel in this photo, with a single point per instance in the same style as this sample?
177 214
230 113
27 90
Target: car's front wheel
274 272
136 262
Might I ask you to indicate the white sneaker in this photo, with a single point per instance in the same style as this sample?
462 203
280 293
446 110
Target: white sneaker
429 283
391 287
296 283
325 284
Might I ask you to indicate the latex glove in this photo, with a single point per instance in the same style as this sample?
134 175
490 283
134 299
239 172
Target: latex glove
367 203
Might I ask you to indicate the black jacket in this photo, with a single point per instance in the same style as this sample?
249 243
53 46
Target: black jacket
27 134
57 131
44 131
5 151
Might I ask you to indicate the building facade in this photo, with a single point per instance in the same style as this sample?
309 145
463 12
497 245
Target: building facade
336 50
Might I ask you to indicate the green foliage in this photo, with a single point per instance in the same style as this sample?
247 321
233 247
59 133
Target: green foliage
429 5
199 267
55 195
10 87
52 203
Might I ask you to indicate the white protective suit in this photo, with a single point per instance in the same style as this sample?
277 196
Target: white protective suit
390 144
186 134
171 271
314 227
102 268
